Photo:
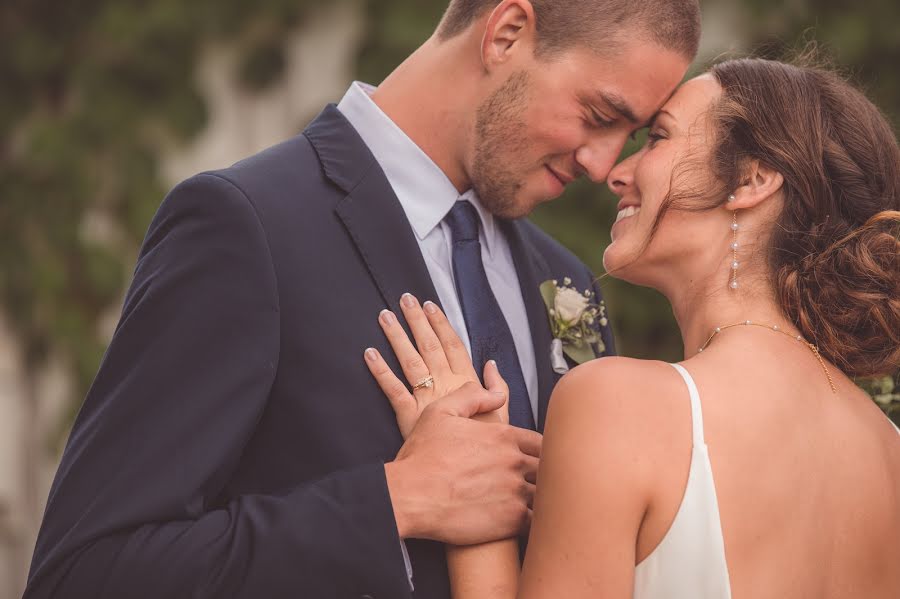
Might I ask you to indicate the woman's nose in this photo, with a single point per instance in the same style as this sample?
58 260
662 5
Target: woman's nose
622 175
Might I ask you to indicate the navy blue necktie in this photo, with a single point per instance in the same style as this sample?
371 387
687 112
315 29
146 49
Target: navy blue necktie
489 334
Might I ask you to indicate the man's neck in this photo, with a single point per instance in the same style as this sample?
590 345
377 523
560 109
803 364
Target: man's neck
423 96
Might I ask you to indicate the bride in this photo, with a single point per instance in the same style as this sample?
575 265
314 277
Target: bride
766 207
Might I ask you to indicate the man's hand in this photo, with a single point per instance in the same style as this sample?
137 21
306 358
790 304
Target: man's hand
464 476
461 481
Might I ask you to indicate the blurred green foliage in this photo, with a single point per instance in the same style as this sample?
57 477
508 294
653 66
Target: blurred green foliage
886 394
93 91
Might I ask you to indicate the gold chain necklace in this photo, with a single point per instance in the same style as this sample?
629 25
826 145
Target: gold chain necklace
777 329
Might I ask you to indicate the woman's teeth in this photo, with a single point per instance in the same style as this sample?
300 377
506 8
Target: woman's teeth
627 211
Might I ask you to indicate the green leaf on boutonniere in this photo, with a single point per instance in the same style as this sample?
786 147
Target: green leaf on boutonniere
548 292
580 353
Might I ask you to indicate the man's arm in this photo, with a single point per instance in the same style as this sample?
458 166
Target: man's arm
178 395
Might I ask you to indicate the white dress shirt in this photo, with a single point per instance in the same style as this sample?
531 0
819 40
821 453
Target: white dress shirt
427 195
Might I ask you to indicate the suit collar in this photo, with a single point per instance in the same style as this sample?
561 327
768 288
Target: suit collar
344 156
370 211
422 188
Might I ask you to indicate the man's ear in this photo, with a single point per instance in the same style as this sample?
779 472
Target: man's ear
761 183
509 29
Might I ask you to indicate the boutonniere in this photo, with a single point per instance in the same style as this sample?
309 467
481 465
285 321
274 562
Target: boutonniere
574 316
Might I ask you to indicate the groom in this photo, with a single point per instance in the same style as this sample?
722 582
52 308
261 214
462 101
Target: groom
233 443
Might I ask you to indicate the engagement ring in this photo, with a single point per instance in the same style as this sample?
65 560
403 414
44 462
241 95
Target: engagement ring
425 383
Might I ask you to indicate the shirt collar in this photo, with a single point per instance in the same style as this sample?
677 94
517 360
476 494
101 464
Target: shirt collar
424 191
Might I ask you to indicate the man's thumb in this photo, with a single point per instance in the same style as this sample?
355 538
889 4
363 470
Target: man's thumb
493 380
472 399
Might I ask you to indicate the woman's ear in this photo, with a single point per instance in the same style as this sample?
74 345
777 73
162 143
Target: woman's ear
762 183
509 29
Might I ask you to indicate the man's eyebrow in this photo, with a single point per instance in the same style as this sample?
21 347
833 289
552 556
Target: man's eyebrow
620 105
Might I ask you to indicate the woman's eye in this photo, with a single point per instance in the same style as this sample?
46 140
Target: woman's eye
653 137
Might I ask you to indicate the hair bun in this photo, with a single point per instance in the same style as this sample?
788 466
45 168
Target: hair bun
847 297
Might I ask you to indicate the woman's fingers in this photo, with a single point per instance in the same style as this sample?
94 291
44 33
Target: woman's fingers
414 367
403 402
427 342
530 442
454 349
494 381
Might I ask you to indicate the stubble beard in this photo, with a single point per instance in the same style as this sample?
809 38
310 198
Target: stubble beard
501 146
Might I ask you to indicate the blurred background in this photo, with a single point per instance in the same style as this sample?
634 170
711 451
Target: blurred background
106 104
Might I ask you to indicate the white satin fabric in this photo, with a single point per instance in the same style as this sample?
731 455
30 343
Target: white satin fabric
689 563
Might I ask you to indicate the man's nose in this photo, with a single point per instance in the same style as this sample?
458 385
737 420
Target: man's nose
597 159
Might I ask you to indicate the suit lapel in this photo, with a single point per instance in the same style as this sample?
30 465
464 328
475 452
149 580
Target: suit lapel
377 225
533 270
379 228
370 211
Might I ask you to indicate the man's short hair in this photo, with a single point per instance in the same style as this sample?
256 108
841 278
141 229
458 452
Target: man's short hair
566 24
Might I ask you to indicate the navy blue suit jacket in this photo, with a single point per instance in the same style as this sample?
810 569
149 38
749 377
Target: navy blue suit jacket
232 444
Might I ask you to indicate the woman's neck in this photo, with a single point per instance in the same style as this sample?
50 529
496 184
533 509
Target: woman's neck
699 311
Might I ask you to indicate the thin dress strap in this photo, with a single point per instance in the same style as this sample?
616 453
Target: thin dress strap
696 410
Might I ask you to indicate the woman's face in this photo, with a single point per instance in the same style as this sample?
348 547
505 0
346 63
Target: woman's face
676 156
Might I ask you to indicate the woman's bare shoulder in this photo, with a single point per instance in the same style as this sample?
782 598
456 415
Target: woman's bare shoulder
604 383
620 401
611 424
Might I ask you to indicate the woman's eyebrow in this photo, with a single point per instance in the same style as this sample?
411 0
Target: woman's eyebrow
661 112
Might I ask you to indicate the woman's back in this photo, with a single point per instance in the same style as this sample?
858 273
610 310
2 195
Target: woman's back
807 481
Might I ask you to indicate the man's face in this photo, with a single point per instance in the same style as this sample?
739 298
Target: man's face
550 122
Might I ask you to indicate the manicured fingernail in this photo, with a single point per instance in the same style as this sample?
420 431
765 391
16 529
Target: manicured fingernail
493 363
408 300
430 307
371 354
387 317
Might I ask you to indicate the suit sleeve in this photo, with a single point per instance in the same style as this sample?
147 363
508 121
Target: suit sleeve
186 377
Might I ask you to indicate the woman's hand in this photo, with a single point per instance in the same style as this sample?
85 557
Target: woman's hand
441 355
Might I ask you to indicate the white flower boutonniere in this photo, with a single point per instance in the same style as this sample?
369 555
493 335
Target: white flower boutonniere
574 316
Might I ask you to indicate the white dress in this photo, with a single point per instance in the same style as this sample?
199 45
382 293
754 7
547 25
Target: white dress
690 563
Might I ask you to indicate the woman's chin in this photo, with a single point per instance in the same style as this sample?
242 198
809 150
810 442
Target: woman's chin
622 264
615 259
612 265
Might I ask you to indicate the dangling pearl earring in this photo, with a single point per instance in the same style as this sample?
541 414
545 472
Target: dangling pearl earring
734 246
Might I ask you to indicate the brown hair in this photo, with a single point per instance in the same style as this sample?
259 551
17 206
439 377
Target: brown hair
564 24
834 252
